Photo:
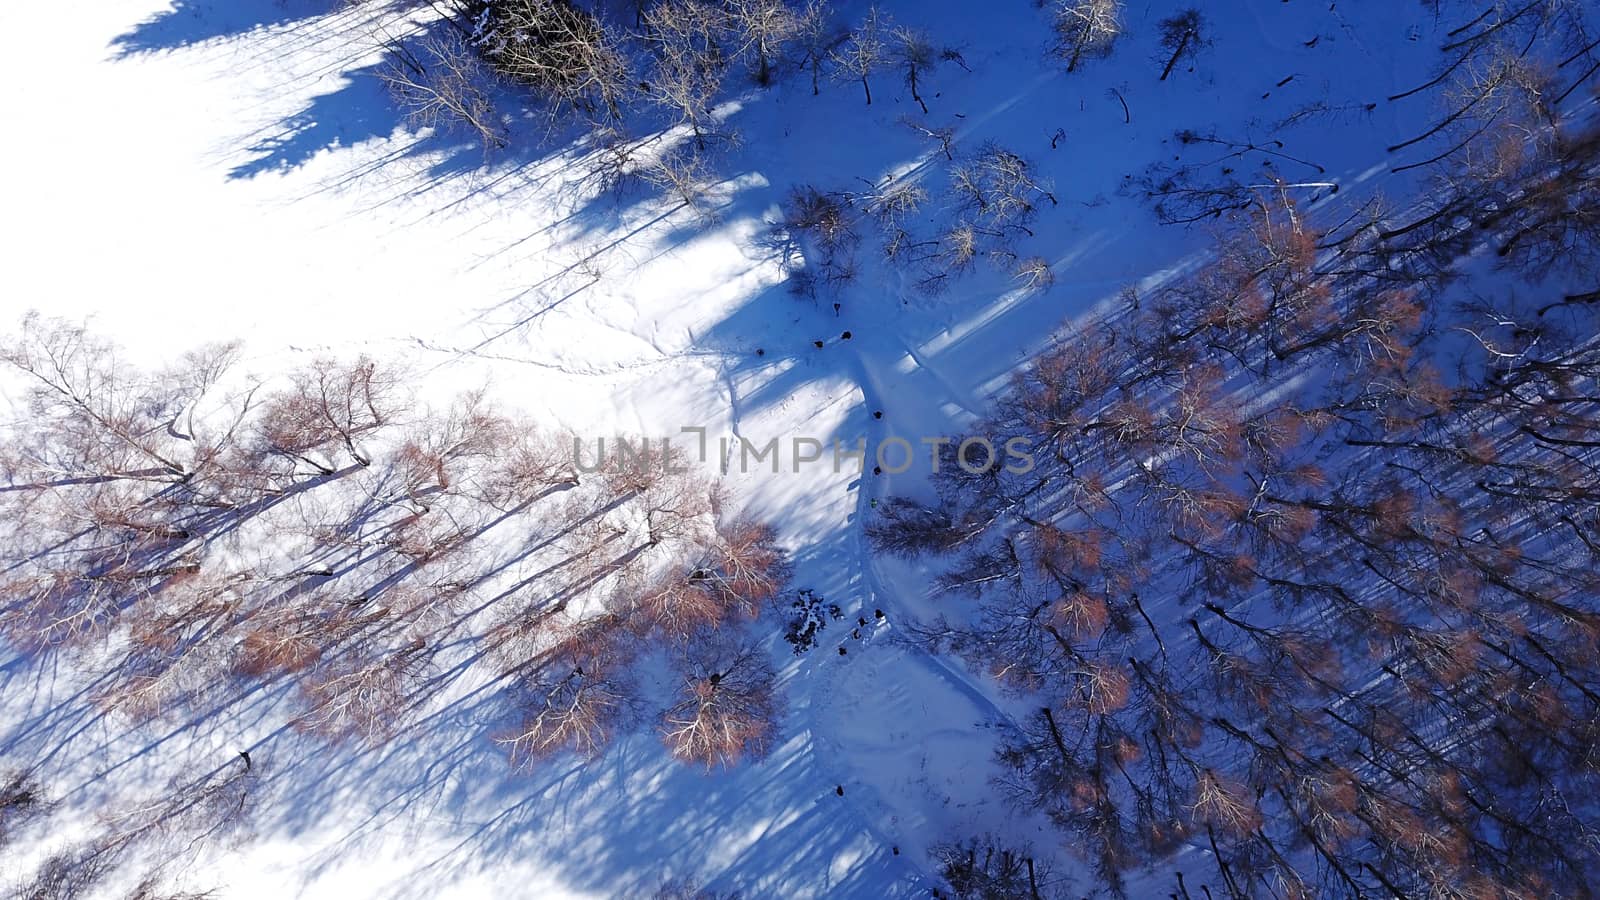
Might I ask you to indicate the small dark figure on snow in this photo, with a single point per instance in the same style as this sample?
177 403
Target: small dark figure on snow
245 755
878 614
862 621
839 790
842 651
846 335
877 414
818 343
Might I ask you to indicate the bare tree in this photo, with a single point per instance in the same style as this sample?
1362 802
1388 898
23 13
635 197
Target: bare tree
1085 29
94 418
576 696
561 51
612 160
733 576
913 52
955 252
57 608
689 42
894 202
822 216
440 81
999 188
215 808
746 566
531 464
176 644
1499 92
864 51
676 510
1184 35
365 694
909 529
72 872
983 868
1034 273
287 638
945 137
765 29
22 801
330 408
1301 751
996 195
726 710
685 174
1225 805
212 563
817 36
823 226
456 452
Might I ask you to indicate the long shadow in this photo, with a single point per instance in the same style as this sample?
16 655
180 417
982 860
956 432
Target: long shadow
191 22
360 110
608 825
615 825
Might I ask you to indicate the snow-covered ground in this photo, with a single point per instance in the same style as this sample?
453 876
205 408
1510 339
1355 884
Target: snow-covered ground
210 170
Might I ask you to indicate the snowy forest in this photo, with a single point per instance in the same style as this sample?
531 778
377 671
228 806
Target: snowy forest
710 449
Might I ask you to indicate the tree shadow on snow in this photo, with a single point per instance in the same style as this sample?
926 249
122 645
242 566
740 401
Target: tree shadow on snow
615 825
359 110
190 22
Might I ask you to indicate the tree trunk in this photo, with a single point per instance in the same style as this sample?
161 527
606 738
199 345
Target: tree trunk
915 94
1182 45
